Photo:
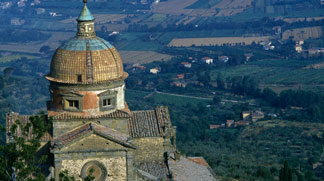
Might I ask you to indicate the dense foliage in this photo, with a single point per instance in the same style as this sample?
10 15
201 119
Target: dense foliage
12 35
18 158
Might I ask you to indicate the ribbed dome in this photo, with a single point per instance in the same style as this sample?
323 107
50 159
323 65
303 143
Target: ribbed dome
86 58
80 44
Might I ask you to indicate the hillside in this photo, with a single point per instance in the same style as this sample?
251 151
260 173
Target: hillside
221 8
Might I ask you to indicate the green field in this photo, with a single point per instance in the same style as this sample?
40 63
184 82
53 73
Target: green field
162 99
15 57
168 36
156 18
203 4
283 73
239 153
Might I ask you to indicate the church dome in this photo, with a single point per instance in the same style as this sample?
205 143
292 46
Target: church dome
86 58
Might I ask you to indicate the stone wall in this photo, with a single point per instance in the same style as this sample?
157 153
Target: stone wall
92 142
116 167
149 149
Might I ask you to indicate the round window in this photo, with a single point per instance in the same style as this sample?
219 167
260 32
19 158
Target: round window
94 169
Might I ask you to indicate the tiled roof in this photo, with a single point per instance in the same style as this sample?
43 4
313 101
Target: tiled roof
88 129
151 123
11 119
79 44
188 170
70 115
199 160
152 170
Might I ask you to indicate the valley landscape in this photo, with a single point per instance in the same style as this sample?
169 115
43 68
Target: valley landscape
243 79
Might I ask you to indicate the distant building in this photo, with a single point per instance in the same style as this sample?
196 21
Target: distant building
114 33
186 64
314 51
40 11
138 67
277 30
21 4
223 59
252 116
229 123
300 42
144 2
246 115
241 123
180 76
248 56
155 70
17 21
299 48
207 60
179 84
5 5
267 45
54 14
255 115
215 126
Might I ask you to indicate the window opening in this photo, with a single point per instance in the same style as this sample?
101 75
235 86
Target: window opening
106 102
79 78
73 104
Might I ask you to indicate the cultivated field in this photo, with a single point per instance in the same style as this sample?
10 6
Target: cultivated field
142 57
292 20
303 33
100 18
15 57
229 8
174 7
33 47
187 42
223 8
279 74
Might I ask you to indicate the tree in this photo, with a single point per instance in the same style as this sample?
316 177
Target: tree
64 176
216 100
264 173
1 83
45 49
220 81
205 79
270 96
285 173
7 72
18 158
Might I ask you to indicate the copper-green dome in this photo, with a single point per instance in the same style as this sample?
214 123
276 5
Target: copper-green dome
85 14
81 43
86 58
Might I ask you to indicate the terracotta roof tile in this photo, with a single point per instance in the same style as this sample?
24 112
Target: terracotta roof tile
89 129
69 115
150 123
199 160
188 170
157 170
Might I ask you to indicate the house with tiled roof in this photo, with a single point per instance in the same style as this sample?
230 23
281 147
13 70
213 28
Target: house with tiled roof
93 131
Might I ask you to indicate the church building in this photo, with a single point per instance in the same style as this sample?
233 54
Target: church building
93 130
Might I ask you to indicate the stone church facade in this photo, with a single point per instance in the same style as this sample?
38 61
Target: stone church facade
94 131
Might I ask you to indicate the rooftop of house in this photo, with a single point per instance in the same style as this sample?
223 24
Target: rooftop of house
191 169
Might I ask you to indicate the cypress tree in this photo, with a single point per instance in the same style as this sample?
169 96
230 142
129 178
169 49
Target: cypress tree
285 173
